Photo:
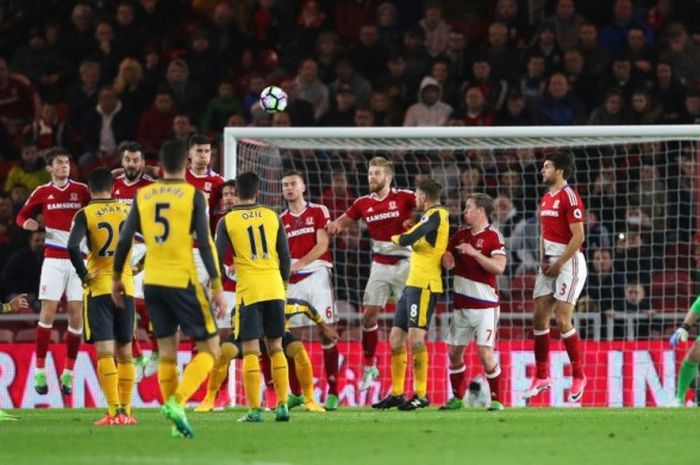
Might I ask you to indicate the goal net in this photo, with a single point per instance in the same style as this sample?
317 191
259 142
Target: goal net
639 188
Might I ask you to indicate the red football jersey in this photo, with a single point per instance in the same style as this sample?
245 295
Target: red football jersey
557 211
209 183
474 287
58 205
124 191
385 218
301 234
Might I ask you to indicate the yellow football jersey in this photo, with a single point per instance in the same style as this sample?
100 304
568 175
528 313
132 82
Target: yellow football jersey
254 233
429 239
103 223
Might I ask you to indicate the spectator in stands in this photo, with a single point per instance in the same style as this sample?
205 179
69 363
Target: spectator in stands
395 82
342 113
21 271
182 128
267 20
510 185
8 227
641 54
495 90
310 88
104 126
505 215
604 200
669 92
156 123
558 107
388 27
515 112
384 110
597 235
338 197
582 85
187 94
30 171
622 77
634 257
43 66
301 112
470 180
597 58
364 118
369 55
507 13
83 96
436 29
204 69
452 92
48 130
430 110
134 93
635 303
19 102
327 54
444 168
281 120
524 245
416 56
79 38
458 56
546 45
644 110
237 121
476 111
152 68
226 38
18 195
106 54
255 86
219 108
692 108
612 111
534 83
650 194
682 196
500 55
614 35
604 284
566 23
346 76
129 34
682 54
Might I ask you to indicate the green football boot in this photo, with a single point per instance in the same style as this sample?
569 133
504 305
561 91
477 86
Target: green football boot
176 413
295 401
253 416
282 413
332 402
66 383
495 406
40 385
454 403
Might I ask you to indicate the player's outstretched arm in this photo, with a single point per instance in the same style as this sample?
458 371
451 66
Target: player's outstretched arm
339 224
201 228
283 253
77 232
681 334
423 228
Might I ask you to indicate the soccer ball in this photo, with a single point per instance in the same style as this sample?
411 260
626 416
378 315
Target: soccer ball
273 99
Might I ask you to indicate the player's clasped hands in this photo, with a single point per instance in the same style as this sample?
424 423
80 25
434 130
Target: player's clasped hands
680 335
117 292
219 302
18 301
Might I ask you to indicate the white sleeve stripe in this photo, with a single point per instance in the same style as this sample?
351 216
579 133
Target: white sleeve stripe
498 252
572 197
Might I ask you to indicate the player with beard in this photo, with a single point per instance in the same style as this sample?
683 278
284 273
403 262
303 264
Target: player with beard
387 212
124 190
562 275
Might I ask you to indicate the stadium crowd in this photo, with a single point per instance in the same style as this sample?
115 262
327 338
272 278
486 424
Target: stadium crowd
88 75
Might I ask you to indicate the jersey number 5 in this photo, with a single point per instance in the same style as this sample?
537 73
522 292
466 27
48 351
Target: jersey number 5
254 247
162 220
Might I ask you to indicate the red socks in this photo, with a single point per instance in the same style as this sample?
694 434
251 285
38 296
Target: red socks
457 380
493 377
369 344
330 362
43 338
73 340
542 353
571 342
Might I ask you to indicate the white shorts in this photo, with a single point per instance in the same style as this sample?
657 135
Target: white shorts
225 322
202 272
58 277
316 289
567 286
385 280
138 285
467 323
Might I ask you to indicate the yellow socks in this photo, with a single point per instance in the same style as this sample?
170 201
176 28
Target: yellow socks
399 359
126 375
303 368
194 375
420 370
218 373
167 377
107 374
280 375
251 378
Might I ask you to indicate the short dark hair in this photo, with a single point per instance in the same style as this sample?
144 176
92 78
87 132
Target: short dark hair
562 161
198 139
294 173
247 184
482 200
173 156
57 152
129 146
100 180
229 183
430 188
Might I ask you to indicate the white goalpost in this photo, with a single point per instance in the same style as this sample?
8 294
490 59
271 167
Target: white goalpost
639 185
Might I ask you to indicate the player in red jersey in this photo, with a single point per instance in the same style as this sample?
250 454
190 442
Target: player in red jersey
478 254
206 180
562 274
58 201
387 212
304 223
124 190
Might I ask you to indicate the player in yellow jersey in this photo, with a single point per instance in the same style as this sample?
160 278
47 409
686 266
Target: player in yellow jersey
231 349
429 239
261 257
109 328
168 213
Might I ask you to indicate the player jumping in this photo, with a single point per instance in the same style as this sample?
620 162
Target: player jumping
562 274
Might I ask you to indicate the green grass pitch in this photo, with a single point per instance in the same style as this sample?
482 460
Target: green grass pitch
361 436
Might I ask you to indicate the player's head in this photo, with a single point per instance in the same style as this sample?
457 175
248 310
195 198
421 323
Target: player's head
100 182
199 151
428 190
247 185
132 159
58 162
478 210
380 174
557 166
229 194
293 186
173 157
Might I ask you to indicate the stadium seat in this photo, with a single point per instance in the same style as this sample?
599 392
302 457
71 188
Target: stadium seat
6 335
672 291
